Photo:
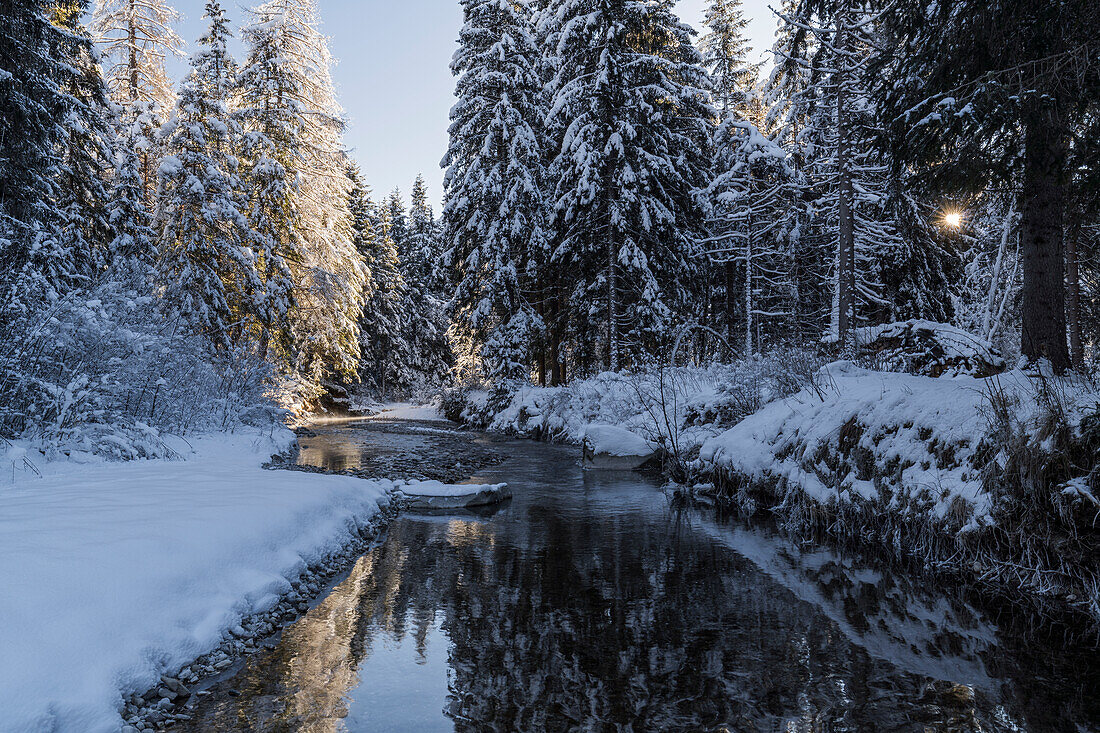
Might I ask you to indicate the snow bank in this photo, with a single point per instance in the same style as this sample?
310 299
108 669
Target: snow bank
631 402
408 411
877 420
929 348
909 444
115 573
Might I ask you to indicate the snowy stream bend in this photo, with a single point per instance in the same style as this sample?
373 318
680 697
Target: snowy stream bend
590 601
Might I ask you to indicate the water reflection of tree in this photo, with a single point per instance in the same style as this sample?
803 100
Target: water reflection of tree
620 624
632 633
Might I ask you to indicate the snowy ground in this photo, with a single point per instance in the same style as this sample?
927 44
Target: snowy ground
114 573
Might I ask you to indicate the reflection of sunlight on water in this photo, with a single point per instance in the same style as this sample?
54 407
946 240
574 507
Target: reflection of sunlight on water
463 533
338 451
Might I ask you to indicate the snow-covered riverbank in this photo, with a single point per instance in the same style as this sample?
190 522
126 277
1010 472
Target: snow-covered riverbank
995 479
117 573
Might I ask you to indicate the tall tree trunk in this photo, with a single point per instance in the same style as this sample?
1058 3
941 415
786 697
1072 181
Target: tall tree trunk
554 330
612 304
1073 301
1041 239
749 305
731 302
845 224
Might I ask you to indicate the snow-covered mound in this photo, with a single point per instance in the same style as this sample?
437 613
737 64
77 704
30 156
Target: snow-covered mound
609 446
610 440
426 495
116 573
930 349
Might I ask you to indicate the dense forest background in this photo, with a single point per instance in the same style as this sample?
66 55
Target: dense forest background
189 256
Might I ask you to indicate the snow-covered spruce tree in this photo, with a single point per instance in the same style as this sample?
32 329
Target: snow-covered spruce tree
422 249
726 57
494 212
386 355
753 223
424 320
294 125
54 159
205 264
1005 112
130 222
85 148
136 37
632 115
830 114
397 221
551 288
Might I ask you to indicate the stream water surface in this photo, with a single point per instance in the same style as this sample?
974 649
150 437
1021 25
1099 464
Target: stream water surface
592 602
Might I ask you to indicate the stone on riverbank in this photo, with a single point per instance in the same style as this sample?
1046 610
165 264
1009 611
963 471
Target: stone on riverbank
435 495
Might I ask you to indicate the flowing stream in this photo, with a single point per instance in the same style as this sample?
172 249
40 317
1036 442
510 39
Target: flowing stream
592 602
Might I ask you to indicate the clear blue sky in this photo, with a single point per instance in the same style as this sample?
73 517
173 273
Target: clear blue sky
393 76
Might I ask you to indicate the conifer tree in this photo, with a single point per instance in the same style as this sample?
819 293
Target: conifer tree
631 112
385 366
397 223
754 222
829 112
53 155
293 126
136 38
1005 111
422 250
725 57
134 242
85 147
494 212
205 260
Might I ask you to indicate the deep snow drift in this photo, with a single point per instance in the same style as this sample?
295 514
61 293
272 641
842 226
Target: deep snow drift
115 573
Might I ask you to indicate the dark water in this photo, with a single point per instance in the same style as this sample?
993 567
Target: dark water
590 603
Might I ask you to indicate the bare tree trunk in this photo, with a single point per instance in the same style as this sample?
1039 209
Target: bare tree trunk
1073 301
1041 240
554 328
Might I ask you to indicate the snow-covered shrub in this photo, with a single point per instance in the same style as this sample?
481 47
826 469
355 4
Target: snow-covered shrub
1045 442
928 348
748 384
103 372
